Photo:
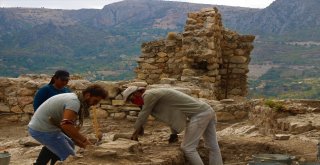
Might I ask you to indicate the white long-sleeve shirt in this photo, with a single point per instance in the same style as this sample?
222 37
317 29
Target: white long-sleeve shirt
170 106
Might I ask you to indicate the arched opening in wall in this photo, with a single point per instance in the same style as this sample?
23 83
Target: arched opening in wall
200 65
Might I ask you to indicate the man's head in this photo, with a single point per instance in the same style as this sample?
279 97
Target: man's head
60 79
134 95
94 94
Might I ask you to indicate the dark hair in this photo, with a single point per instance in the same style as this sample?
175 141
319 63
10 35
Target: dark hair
95 90
62 74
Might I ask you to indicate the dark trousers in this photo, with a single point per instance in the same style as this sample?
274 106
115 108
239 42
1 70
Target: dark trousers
45 156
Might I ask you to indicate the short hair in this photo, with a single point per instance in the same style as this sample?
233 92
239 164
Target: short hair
96 90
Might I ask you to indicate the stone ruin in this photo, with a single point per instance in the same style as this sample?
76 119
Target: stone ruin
214 59
206 61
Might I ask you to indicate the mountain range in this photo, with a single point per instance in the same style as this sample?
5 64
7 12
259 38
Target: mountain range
103 43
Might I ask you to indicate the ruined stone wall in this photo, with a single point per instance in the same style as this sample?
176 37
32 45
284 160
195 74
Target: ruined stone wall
205 54
16 99
235 61
17 94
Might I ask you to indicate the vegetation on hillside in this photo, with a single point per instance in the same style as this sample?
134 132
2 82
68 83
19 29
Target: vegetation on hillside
103 44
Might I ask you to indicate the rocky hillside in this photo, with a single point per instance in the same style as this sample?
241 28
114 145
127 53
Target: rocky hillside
292 19
41 40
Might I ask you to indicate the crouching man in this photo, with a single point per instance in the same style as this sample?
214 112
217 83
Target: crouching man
174 108
60 117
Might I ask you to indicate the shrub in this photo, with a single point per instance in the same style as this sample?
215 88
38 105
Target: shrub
274 105
171 36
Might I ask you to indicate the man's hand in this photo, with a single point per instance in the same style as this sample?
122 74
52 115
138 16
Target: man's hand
173 138
87 142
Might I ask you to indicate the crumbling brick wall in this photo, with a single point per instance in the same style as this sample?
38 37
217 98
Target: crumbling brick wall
206 54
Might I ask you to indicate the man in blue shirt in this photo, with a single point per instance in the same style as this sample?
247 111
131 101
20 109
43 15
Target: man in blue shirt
56 86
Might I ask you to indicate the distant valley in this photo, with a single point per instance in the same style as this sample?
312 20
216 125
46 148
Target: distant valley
104 44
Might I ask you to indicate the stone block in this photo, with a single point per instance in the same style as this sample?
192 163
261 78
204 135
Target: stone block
238 59
112 88
28 142
150 60
168 81
12 101
4 82
281 137
103 153
204 94
133 113
162 54
238 71
31 84
78 84
26 92
132 118
118 102
122 146
105 101
239 52
213 73
170 43
154 76
225 116
119 115
148 66
213 66
101 114
23 101
162 60
129 108
12 118
138 83
141 76
191 21
4 107
188 72
193 15
15 109
240 114
247 38
28 109
107 107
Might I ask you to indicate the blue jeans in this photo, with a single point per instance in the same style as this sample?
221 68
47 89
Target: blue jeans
202 124
57 142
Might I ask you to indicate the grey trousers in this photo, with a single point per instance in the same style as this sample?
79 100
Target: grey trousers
202 124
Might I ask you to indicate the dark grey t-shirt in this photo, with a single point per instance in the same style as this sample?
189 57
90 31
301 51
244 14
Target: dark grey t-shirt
53 107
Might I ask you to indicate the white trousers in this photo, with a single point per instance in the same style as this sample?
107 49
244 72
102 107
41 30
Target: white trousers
202 124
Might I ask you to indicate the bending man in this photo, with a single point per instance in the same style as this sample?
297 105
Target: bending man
174 108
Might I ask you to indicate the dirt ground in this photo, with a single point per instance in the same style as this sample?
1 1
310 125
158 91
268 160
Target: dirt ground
237 147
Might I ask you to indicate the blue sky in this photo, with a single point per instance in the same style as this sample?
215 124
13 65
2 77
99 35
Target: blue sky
98 4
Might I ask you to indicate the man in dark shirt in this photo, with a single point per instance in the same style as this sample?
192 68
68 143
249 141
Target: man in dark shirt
56 86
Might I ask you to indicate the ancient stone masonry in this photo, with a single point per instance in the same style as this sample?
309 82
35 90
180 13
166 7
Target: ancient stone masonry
205 53
16 99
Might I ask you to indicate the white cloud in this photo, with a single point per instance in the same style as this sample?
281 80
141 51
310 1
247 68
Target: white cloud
98 4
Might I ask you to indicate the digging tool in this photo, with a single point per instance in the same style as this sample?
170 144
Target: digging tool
96 127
